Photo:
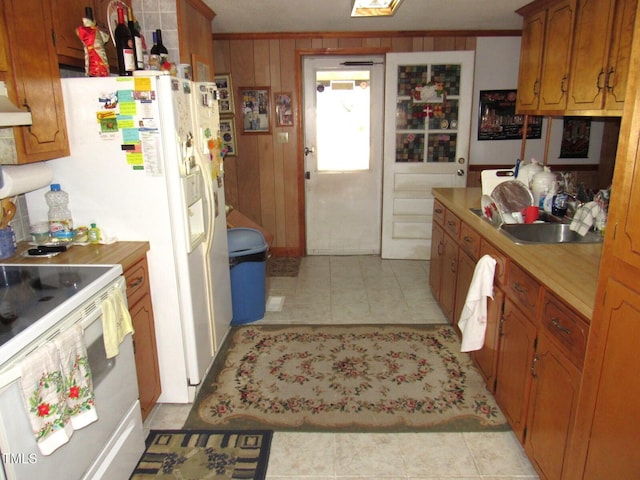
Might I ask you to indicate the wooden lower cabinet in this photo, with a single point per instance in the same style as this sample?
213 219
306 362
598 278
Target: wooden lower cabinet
517 347
552 408
144 337
465 267
443 270
486 359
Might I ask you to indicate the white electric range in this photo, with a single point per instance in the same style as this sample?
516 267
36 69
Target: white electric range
37 302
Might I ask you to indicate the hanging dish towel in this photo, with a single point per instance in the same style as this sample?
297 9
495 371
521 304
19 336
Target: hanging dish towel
584 218
78 384
116 322
473 319
43 392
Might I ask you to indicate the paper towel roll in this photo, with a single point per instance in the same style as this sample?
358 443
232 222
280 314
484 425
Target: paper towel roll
18 179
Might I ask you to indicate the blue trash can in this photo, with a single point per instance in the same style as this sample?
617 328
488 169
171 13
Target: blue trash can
247 264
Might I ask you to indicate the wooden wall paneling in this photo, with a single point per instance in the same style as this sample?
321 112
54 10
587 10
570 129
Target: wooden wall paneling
401 44
316 43
444 44
222 57
350 43
329 43
417 44
371 42
291 178
248 165
428 44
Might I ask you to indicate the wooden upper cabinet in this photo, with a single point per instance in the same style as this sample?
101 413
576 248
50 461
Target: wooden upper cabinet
69 47
4 53
545 55
602 44
35 79
531 50
554 79
620 54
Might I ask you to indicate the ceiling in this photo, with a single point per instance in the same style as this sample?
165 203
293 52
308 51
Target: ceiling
261 16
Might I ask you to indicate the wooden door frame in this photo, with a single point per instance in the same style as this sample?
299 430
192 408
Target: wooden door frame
301 249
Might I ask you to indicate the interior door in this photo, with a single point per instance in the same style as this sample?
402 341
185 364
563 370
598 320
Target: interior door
427 127
343 100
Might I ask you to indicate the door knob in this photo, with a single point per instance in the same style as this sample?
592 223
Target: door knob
307 175
307 151
460 172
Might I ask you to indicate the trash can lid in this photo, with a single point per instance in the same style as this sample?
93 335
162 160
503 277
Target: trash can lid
245 241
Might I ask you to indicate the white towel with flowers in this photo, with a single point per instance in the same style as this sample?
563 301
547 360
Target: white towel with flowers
473 319
78 383
58 390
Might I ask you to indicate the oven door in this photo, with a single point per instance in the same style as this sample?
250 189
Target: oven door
116 393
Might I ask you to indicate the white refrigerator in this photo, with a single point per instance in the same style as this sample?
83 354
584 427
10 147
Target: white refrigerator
141 169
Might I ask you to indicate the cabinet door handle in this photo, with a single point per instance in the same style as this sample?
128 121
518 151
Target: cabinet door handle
534 363
134 283
439 249
536 87
519 288
562 85
556 323
438 210
453 265
468 239
451 224
599 78
500 327
608 79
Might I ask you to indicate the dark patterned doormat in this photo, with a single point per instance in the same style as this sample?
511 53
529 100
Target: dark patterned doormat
283 266
337 378
180 454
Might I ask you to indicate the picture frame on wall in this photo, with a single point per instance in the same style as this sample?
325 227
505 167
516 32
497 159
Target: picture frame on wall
228 136
497 118
225 91
284 109
255 107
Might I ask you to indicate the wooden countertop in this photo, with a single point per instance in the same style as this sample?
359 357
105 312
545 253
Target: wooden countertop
123 253
570 271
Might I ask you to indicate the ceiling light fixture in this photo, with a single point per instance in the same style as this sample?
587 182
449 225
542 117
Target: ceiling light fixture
374 8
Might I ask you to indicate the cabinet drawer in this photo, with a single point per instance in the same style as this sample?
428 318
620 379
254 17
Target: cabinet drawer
438 212
523 289
567 330
470 241
502 261
452 224
137 277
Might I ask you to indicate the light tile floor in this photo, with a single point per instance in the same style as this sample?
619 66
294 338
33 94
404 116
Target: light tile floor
367 289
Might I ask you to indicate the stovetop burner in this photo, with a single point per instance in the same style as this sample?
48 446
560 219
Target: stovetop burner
29 292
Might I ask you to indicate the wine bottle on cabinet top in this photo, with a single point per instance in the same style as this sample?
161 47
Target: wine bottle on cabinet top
124 46
159 50
137 41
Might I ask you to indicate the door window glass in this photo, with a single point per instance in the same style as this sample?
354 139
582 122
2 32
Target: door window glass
343 113
427 113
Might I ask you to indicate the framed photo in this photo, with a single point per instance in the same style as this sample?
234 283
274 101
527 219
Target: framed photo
225 90
575 137
497 119
255 108
284 110
228 136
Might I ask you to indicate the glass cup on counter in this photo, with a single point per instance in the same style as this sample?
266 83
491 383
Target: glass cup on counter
40 232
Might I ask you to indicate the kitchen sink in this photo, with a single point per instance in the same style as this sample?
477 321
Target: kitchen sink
549 232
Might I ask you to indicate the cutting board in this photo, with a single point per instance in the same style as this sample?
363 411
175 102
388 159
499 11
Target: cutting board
491 178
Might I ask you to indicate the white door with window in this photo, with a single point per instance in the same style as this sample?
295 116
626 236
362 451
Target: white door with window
343 101
427 127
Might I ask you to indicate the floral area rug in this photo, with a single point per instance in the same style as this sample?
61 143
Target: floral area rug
360 378
178 454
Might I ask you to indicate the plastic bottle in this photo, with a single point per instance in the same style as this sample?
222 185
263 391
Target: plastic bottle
60 221
94 234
